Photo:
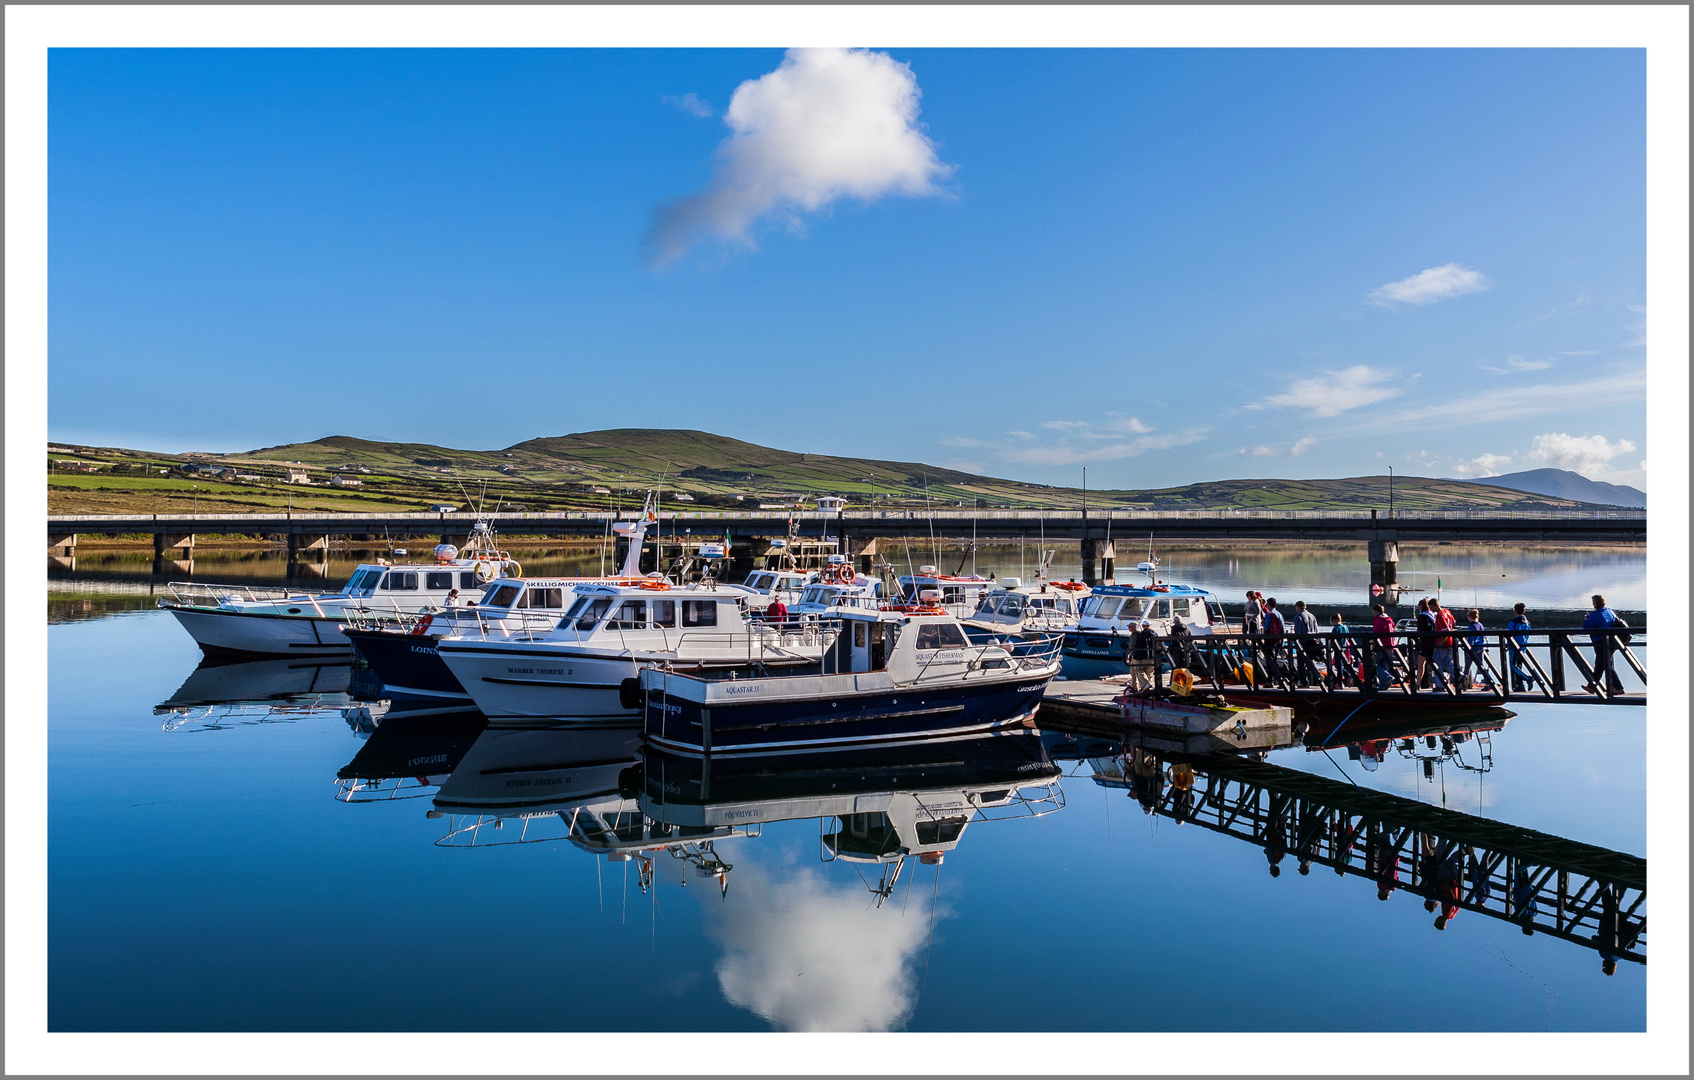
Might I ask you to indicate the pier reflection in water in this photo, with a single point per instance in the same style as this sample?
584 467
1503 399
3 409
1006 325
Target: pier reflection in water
604 888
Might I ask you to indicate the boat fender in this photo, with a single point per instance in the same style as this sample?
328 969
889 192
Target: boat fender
629 693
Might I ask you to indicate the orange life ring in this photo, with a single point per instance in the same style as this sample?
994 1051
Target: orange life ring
656 586
1073 586
423 625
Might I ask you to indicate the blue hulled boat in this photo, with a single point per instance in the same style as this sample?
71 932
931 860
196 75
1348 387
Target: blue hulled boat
1099 643
900 673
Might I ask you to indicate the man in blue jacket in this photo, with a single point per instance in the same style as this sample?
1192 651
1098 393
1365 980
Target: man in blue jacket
1605 645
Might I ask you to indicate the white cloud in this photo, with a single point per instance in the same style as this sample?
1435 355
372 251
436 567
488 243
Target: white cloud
1516 363
1585 454
1302 445
1068 455
689 103
810 956
827 124
1112 428
1480 466
1472 407
1020 435
1262 451
1428 286
1333 393
1581 352
1259 451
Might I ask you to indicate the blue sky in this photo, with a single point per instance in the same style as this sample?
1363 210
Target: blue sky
1166 265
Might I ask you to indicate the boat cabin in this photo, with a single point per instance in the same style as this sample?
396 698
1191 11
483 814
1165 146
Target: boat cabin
1039 605
959 595
1124 607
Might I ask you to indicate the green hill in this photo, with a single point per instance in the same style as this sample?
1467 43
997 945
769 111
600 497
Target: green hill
715 469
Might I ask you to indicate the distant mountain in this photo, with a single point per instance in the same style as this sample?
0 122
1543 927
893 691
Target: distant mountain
1564 484
716 467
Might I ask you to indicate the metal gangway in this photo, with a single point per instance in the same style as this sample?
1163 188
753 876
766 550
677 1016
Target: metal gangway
1479 666
1587 895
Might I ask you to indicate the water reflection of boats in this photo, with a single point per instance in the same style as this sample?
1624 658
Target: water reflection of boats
257 688
545 783
888 803
407 753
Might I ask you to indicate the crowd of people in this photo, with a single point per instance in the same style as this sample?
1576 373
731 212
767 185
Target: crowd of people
1436 652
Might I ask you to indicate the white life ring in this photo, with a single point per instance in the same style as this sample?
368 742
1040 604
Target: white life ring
484 570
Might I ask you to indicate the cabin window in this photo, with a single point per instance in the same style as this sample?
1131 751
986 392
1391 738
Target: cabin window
396 581
1134 607
1179 607
941 636
1102 606
860 634
593 613
758 581
544 598
1158 609
501 595
699 613
816 596
940 832
438 581
363 582
1013 605
663 612
986 606
632 615
576 607
467 579
1064 606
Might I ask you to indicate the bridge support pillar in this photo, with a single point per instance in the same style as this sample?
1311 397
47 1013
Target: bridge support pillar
1384 572
63 544
298 543
862 553
163 542
1099 561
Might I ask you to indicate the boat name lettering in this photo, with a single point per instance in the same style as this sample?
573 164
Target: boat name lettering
425 649
734 814
550 781
741 689
536 671
432 759
1028 689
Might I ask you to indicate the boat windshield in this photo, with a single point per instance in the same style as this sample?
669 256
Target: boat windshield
941 636
592 614
362 583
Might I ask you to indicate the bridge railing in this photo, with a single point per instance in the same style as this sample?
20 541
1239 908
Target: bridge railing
1562 664
1095 517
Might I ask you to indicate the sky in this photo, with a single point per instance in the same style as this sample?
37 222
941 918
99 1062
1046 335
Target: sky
1163 265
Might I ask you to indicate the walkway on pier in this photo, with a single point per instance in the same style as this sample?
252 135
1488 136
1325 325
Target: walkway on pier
1556 665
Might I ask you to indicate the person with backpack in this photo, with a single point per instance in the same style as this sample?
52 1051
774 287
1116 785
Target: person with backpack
1341 658
1276 631
1143 657
1425 644
1605 645
1445 643
1382 625
1475 649
1517 647
1305 645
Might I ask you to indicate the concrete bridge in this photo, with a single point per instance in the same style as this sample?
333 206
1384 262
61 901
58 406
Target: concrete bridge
178 530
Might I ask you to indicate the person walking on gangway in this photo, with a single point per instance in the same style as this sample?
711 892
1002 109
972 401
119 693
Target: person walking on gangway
1382 626
1305 645
1605 645
1475 644
1275 631
1518 647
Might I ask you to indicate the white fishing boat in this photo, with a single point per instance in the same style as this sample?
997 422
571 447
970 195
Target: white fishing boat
586 667
247 620
1099 643
838 586
402 653
1016 607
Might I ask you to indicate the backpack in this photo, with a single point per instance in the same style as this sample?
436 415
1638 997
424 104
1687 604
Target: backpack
1273 622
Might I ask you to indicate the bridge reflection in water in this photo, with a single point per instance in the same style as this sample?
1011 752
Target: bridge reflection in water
1587 895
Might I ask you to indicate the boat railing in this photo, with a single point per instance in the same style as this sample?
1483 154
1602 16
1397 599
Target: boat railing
761 641
1028 801
481 623
208 594
355 790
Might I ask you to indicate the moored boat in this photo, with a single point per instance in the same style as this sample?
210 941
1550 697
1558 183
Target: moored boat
902 673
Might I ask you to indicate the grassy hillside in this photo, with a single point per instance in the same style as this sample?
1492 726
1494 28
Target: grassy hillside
563 472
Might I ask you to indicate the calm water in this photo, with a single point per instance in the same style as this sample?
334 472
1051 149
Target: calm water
205 876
